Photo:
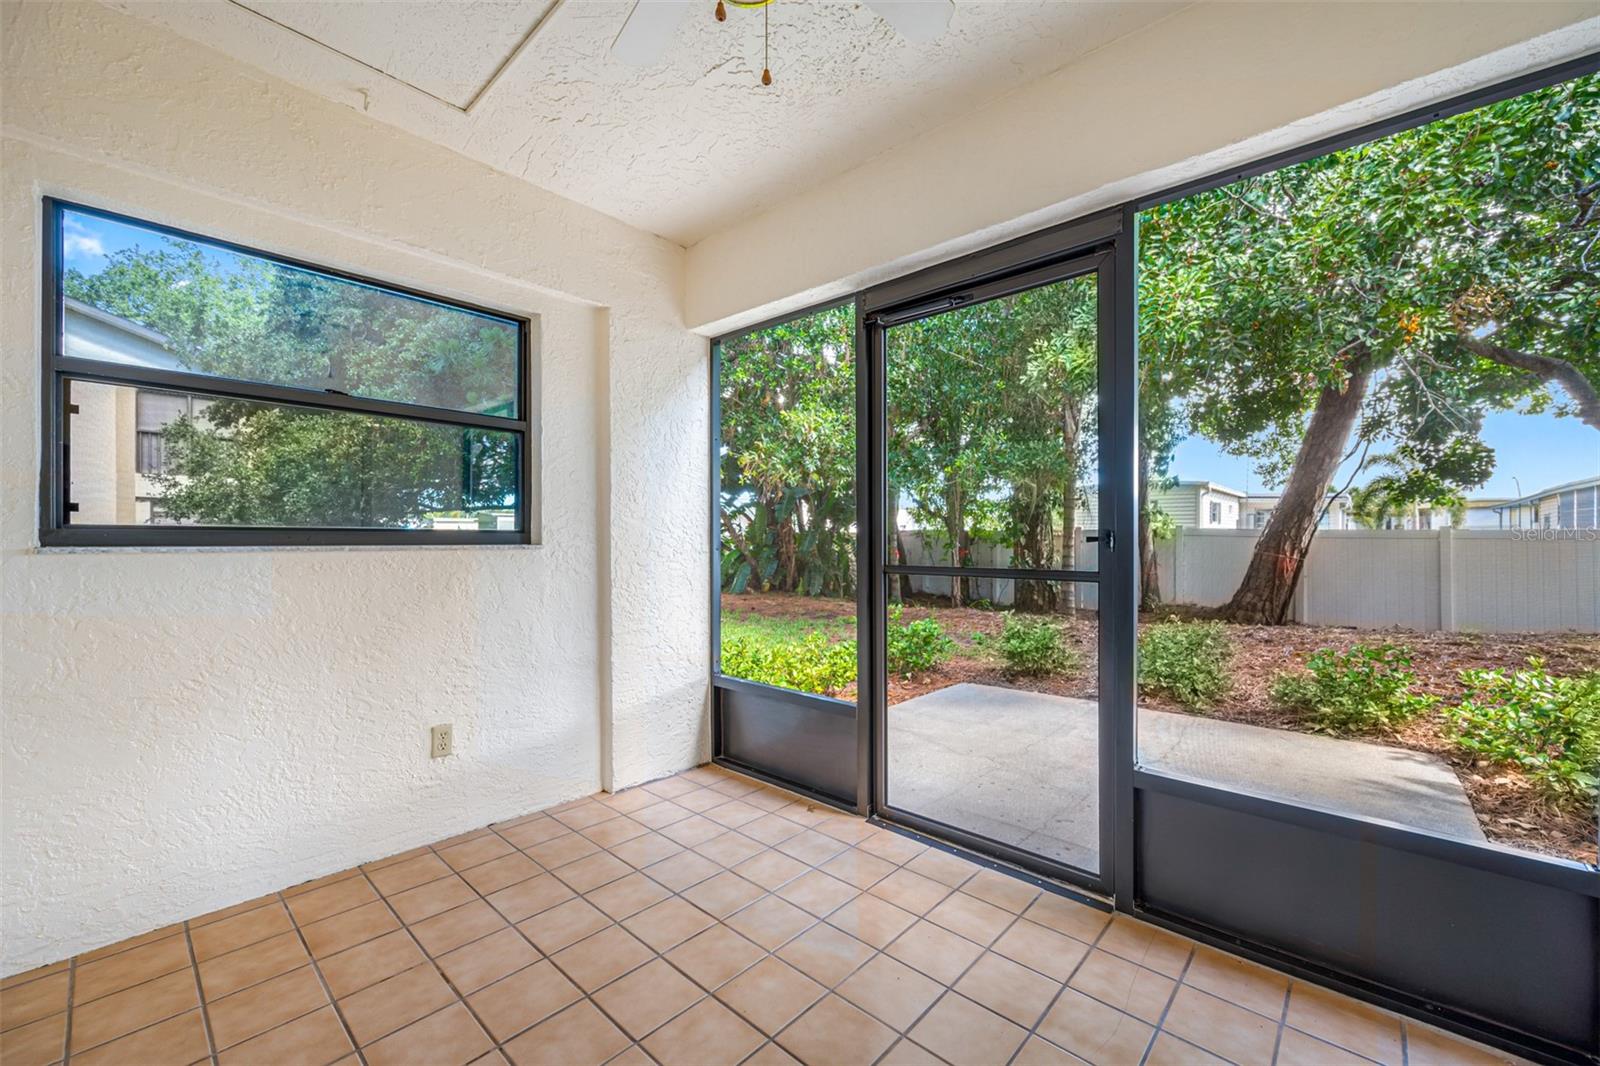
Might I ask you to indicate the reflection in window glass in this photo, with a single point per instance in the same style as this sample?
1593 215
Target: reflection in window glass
1385 361
148 457
788 499
137 296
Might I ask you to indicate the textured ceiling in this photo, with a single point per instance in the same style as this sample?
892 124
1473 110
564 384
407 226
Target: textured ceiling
681 148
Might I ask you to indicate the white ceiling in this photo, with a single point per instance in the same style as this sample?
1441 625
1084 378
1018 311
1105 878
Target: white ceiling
682 148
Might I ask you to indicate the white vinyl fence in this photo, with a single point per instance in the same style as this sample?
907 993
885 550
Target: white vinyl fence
1497 581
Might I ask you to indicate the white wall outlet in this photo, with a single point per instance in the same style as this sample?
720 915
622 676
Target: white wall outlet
440 741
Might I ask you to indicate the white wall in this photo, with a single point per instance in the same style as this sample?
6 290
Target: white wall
183 730
1213 85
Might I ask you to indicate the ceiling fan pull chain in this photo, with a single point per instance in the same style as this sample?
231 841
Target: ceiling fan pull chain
766 44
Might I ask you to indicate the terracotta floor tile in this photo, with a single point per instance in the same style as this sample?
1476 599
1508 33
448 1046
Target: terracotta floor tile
1008 989
592 871
563 924
43 971
447 931
872 920
770 994
561 850
578 1036
1119 983
1221 1027
395 859
668 923
771 829
105 976
707 1034
770 1054
36 1043
811 847
314 1040
324 902
1095 1032
837 1033
616 831
890 845
770 869
770 922
596 961
908 1053
500 873
1040 1052
1004 891
1045 950
366 964
818 893
959 1030
734 814
693 830
628 800
713 957
935 951
943 867
34 1000
175 1042
723 894
527 898
660 814
682 870
627 896
1078 920
641 851
668 787
1238 981
730 848
227 974
534 831
230 912
409 874
1345 1022
891 991
584 815
474 965
475 852
449 1037
647 998
491 1058
911 891
240 930
858 868
260 1007
1142 943
825 954
1168 1050
343 931
435 897
522 1000
391 1004
976 921
1300 1049
320 882
133 1008
1426 1046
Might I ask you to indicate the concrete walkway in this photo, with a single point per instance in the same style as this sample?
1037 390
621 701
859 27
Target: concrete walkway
1020 767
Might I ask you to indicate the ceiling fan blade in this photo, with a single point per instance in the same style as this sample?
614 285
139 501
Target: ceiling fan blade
915 20
644 37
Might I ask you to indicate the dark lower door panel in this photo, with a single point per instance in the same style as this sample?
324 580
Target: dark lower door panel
1507 939
792 737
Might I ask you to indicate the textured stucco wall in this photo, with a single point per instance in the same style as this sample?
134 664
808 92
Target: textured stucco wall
184 730
1215 85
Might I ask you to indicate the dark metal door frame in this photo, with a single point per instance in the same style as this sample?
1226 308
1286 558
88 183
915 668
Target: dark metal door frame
1089 246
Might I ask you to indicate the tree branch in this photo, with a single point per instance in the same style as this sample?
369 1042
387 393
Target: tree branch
1546 368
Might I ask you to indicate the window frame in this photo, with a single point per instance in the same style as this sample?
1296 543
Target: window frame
55 526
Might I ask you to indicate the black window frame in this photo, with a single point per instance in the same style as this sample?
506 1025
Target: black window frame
56 528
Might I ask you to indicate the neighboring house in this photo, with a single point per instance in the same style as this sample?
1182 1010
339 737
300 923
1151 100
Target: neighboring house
1258 508
1573 505
1191 505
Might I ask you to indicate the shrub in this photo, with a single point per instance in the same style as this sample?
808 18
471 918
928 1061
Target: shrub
1546 726
1185 660
1033 648
809 664
916 646
1362 690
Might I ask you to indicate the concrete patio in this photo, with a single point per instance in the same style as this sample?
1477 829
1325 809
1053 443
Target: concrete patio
1021 767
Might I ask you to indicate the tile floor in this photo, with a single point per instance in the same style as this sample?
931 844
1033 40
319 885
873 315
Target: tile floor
701 919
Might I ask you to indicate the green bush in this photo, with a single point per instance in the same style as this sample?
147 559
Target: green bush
1187 661
1033 648
809 664
916 646
1546 726
1362 690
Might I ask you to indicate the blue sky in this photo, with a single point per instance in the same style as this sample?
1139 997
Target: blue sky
86 241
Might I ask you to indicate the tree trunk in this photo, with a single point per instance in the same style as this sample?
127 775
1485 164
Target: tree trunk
1149 563
1269 581
955 533
904 583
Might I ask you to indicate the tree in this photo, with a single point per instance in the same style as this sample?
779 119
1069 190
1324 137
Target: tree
253 463
1388 294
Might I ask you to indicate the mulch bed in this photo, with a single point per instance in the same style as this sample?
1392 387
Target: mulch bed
1509 808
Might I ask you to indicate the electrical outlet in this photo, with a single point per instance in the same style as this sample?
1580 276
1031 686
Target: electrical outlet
440 741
